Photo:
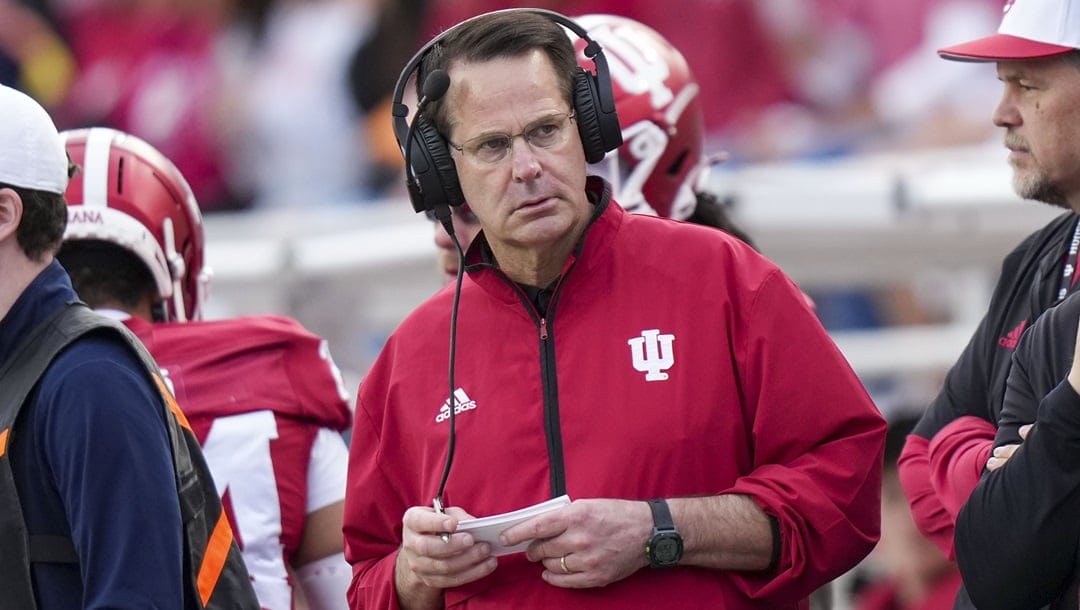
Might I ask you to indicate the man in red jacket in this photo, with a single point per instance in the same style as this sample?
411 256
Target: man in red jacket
716 447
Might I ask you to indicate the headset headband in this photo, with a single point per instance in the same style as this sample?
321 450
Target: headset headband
592 50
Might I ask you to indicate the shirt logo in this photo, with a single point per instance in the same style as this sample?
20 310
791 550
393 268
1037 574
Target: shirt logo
1011 340
652 354
462 402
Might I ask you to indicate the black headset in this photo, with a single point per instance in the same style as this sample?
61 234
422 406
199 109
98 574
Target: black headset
430 174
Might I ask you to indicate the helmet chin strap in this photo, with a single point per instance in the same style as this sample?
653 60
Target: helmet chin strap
202 291
176 271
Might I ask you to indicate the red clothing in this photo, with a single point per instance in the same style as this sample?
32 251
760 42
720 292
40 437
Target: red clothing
884 595
938 475
751 398
265 401
150 69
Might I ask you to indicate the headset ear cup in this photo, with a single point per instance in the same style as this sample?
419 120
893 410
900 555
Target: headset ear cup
586 108
445 178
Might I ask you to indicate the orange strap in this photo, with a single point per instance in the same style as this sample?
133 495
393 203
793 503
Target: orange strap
3 441
171 401
217 551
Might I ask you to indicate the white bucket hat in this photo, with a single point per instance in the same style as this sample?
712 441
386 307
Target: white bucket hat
1029 30
32 155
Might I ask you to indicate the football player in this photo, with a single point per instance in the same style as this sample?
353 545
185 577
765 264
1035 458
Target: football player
261 393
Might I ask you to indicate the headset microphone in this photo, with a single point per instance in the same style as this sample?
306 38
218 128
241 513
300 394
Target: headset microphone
435 86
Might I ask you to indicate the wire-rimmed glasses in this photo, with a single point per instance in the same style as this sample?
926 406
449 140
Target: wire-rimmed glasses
549 132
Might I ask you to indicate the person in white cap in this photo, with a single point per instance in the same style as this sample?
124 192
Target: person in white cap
1038 61
89 454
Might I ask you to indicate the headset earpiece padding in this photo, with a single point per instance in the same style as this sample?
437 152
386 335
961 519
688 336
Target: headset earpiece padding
445 173
588 120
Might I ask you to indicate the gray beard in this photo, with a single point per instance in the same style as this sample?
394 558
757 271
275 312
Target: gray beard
1038 188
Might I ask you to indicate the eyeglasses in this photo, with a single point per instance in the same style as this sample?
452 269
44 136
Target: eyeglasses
463 213
489 149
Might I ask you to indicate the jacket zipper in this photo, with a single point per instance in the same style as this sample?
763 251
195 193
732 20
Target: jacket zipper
552 427
550 385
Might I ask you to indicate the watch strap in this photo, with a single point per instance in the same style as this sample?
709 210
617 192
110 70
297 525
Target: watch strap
661 515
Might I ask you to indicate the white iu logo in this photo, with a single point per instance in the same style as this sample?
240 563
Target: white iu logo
652 354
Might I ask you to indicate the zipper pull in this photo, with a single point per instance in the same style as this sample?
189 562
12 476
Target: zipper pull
543 329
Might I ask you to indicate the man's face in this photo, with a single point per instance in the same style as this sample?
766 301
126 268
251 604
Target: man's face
534 196
1040 111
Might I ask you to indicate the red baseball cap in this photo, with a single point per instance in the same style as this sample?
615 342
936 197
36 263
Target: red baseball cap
1029 30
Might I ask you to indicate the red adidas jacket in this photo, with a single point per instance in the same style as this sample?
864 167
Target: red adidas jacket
673 361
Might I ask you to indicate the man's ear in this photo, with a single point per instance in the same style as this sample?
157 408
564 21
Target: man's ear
11 209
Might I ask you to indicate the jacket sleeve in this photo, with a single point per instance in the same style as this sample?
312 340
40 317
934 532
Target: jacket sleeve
958 455
373 513
927 510
108 450
943 458
818 441
1016 537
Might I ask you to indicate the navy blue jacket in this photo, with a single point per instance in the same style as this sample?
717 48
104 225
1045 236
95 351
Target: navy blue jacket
92 461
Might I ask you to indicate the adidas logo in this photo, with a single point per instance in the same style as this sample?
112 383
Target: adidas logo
1011 340
462 402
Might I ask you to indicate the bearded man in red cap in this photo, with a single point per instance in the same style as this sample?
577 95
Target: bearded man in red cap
1037 57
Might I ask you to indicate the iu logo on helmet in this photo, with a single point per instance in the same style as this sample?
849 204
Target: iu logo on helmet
652 354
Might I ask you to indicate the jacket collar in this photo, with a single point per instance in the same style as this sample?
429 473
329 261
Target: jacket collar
591 250
49 291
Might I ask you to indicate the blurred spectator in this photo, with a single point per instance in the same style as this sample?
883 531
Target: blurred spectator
920 101
373 70
33 57
907 572
292 124
863 76
147 67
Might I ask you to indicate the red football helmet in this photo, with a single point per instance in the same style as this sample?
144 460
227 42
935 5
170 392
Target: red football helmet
660 164
129 194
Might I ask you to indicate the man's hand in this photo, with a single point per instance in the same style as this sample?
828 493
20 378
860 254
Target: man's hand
426 565
1003 453
590 543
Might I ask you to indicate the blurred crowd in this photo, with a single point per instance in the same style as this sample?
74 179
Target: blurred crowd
265 103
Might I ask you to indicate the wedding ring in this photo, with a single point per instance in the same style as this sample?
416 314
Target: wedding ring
562 563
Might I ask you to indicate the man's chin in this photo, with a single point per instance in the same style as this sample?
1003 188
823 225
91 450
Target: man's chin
1035 188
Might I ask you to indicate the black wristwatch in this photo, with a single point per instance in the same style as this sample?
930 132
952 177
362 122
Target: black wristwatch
665 546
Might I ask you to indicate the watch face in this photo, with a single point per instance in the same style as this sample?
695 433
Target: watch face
665 549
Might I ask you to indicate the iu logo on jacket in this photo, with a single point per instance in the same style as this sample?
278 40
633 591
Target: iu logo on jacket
652 354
